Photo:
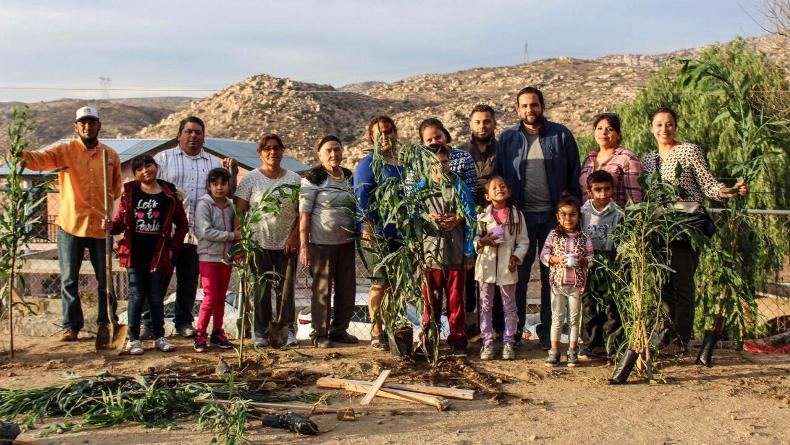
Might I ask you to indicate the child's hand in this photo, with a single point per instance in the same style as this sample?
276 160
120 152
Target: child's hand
557 259
236 235
582 262
469 262
238 258
513 263
487 240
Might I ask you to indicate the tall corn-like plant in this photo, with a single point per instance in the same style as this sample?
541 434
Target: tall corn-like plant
642 264
737 247
18 220
270 203
398 202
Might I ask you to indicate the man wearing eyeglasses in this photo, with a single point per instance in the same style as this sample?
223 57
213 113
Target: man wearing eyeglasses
81 213
187 166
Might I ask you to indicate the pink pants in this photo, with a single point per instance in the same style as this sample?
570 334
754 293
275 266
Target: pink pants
214 277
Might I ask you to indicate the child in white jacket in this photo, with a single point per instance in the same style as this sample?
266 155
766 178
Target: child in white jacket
501 244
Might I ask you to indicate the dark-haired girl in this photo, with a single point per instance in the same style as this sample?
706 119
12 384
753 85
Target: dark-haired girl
567 252
148 213
501 244
214 229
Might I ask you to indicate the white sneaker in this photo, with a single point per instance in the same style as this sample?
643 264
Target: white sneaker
260 343
163 344
292 341
186 331
508 353
487 352
134 347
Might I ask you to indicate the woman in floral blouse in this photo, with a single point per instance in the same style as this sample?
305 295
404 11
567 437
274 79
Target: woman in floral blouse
696 183
621 163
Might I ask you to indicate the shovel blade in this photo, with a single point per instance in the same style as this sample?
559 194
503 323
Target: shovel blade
112 340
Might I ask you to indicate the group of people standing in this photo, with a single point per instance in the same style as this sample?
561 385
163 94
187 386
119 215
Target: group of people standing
523 196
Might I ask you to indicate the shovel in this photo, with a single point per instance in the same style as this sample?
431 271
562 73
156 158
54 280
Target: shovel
278 329
117 334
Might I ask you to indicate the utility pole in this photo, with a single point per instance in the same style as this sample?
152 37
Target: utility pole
105 87
526 52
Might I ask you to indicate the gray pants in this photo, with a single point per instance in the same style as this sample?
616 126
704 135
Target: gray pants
332 264
275 261
565 297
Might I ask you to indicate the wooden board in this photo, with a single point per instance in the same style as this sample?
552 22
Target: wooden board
374 388
439 403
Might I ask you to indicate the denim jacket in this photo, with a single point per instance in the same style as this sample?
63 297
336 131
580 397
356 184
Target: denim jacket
559 151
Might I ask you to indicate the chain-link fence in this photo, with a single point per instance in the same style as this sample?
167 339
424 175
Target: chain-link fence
41 276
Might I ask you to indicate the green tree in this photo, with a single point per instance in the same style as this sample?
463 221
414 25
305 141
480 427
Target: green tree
703 119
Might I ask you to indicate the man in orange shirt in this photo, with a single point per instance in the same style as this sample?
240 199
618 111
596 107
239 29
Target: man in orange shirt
81 213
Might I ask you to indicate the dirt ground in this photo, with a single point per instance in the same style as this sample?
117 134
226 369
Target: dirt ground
744 398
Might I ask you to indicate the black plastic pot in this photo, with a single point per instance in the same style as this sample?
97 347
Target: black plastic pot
401 344
705 354
624 367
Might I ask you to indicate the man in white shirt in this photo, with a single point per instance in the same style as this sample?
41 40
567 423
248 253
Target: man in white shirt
187 166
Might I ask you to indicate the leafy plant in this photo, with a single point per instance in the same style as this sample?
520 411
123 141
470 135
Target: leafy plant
731 144
270 203
19 218
737 246
399 202
642 263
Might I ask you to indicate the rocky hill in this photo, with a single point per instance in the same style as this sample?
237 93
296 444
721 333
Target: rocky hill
120 117
575 91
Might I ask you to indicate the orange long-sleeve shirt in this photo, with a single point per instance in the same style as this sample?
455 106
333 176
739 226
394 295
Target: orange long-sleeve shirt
81 184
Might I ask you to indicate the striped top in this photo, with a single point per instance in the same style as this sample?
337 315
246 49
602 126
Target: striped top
189 174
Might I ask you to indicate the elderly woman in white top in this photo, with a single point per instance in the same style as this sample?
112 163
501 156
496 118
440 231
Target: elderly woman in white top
696 183
327 225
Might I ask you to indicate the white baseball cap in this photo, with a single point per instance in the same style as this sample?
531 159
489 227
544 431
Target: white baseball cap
84 112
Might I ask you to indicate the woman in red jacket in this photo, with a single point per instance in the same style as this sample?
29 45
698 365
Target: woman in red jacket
148 212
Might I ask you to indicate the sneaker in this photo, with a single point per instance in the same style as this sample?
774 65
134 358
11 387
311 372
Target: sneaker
487 352
291 341
68 335
573 358
586 354
134 347
260 343
380 343
508 353
220 340
201 342
343 337
163 344
186 331
553 359
321 342
457 351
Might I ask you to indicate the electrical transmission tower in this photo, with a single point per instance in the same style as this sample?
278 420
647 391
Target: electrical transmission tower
105 86
526 52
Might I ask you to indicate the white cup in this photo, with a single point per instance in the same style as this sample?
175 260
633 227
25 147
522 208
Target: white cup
570 260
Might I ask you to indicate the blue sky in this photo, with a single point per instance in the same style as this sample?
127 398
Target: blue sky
203 45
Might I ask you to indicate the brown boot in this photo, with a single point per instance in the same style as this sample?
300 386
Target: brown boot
68 335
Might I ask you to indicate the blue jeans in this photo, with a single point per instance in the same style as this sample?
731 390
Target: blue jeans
539 225
71 250
147 287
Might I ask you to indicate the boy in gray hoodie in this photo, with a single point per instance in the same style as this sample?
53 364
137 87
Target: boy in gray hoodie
600 216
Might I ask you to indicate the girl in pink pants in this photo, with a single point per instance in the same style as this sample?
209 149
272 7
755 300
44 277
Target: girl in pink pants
214 229
501 244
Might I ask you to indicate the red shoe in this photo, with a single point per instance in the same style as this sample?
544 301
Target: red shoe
201 342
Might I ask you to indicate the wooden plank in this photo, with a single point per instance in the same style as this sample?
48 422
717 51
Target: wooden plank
374 388
453 393
439 403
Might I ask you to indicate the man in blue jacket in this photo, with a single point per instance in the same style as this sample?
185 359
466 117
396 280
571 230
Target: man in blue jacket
540 162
